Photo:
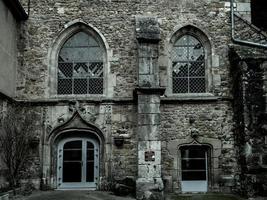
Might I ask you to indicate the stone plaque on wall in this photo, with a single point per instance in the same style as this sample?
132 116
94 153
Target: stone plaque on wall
149 156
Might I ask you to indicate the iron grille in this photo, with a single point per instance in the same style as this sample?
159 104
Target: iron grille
80 78
80 66
188 66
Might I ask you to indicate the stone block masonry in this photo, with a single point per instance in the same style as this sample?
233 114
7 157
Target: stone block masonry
149 184
138 37
117 24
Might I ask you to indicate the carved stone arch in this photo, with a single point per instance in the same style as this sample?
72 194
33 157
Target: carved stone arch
196 143
205 40
201 33
75 122
68 31
75 127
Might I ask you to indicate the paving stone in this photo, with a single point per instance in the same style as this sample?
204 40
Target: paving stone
73 195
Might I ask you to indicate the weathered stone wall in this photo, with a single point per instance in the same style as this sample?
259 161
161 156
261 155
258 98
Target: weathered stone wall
248 32
119 161
212 123
207 119
250 121
124 158
212 120
117 24
212 117
115 122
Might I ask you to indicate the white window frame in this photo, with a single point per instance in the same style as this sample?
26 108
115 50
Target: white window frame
83 183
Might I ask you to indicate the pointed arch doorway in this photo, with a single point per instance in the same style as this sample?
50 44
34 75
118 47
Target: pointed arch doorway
194 167
78 163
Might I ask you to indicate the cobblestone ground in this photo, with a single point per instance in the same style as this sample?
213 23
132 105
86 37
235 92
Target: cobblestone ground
73 195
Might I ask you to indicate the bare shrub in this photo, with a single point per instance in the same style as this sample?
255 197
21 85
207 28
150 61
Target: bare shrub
15 142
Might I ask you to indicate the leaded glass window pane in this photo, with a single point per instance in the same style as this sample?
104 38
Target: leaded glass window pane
80 66
188 66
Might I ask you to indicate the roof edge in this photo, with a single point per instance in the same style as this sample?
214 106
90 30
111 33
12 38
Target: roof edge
17 10
4 96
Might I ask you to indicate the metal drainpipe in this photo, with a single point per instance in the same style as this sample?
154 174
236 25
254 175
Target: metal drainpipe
29 6
233 31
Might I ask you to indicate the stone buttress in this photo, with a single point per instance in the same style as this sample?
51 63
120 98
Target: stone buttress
149 182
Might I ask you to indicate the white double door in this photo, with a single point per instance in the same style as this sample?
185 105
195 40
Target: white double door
78 163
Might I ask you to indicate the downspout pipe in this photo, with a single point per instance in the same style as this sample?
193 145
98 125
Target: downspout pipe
29 7
233 31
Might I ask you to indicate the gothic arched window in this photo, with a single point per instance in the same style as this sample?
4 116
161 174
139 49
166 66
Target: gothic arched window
188 65
80 66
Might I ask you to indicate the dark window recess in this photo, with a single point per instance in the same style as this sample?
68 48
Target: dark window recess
259 13
90 162
73 145
72 161
72 155
264 159
194 175
194 162
190 164
90 171
72 172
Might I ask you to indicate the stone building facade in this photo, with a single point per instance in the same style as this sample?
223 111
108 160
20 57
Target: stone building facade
146 90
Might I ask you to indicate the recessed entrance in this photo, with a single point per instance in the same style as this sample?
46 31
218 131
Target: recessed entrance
194 168
78 163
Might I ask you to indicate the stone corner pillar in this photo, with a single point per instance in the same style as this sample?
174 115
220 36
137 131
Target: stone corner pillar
149 184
